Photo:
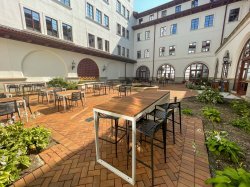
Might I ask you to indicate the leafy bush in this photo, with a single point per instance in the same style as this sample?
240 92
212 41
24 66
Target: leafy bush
242 123
16 142
210 96
60 82
211 114
230 177
187 111
219 145
241 107
194 86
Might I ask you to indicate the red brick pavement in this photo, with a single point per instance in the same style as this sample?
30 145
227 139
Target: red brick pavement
72 161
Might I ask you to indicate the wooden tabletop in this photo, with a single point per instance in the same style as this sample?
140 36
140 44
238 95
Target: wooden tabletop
3 100
67 92
134 104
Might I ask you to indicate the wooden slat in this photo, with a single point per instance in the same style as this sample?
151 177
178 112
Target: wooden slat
132 105
3 100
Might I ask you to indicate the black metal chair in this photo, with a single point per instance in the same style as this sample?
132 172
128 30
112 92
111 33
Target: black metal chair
2 95
15 87
97 88
122 89
75 97
9 107
27 101
117 128
58 99
149 128
173 105
27 88
41 94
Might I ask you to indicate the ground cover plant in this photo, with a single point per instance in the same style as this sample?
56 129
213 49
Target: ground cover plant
187 111
16 144
210 96
60 82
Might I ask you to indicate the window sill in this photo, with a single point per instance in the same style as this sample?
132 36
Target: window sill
93 21
65 6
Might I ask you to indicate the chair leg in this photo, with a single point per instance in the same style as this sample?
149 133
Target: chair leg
180 117
152 160
116 134
164 132
173 124
127 128
30 109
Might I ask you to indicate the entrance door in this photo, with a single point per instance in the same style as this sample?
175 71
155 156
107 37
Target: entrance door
244 78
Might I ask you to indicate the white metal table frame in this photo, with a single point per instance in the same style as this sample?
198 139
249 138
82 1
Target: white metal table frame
133 120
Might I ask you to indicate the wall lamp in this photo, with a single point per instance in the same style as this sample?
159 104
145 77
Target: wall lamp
104 68
226 59
73 65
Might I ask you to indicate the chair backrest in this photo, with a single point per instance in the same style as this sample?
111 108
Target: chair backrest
2 95
122 88
75 96
97 86
13 86
57 90
9 107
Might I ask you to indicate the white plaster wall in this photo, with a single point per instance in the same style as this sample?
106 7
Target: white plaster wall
18 59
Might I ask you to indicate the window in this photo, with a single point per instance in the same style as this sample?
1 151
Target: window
65 2
67 32
195 24
119 29
173 29
99 43
138 54
163 13
147 35
127 53
162 51
140 21
123 51
143 73
146 53
123 10
192 48
163 31
106 1
118 6
172 50
32 20
127 34
119 50
178 9
90 11
166 71
138 36
234 15
196 71
106 21
91 40
52 27
98 16
151 17
194 3
209 21
106 45
205 46
123 32
128 14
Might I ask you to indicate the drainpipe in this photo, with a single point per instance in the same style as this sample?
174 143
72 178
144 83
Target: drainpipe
224 22
154 50
125 70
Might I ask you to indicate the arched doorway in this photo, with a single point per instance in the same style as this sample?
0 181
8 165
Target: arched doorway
88 69
143 73
166 71
243 71
196 72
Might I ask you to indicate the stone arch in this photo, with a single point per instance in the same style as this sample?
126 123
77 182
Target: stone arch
166 71
143 73
87 69
196 71
43 65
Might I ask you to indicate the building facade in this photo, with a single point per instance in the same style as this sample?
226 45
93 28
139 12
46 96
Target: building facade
182 40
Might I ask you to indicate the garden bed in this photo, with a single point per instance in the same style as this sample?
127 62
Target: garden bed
235 134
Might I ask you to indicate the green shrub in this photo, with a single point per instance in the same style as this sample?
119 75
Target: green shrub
230 177
16 142
242 123
211 114
60 82
241 107
210 96
219 145
187 111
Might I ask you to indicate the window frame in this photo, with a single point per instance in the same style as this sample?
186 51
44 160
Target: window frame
33 28
205 47
237 16
164 32
92 39
195 24
192 48
64 36
98 16
47 29
172 49
147 35
161 51
208 21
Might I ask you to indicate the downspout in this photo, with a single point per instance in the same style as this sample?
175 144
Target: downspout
154 50
224 22
125 70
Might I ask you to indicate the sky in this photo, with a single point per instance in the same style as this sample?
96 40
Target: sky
142 5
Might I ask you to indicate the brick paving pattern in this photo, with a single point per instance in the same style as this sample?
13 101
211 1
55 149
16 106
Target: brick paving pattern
71 162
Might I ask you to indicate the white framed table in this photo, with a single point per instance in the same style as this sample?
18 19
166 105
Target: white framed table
50 91
131 109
